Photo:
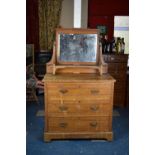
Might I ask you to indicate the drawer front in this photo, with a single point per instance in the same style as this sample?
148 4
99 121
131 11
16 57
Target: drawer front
64 98
120 85
56 108
119 98
117 67
120 77
115 58
74 91
103 85
78 89
79 124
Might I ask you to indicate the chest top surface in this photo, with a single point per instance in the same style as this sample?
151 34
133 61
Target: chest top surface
78 78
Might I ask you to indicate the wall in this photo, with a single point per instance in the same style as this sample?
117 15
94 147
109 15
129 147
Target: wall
67 14
84 18
98 12
102 12
66 20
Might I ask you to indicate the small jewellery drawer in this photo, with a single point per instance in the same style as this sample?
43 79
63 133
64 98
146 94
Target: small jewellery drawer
78 124
79 108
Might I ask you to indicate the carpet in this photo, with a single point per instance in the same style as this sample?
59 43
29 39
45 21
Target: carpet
116 113
40 113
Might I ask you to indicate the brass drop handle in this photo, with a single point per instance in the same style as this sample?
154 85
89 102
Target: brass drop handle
93 124
95 91
63 125
63 108
63 91
94 108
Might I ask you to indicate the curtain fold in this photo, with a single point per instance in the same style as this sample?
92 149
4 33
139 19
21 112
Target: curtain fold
49 18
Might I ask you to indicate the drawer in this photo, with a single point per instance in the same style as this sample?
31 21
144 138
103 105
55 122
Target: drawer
83 90
117 67
120 84
79 124
55 108
119 76
62 98
119 98
79 92
115 58
103 85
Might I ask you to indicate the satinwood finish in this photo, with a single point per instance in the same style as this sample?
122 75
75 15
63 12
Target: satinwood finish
78 106
78 96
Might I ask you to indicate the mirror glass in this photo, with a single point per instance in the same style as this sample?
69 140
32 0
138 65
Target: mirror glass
77 47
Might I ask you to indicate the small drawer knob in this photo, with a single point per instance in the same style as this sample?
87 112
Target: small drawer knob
95 92
63 108
63 125
94 108
93 124
63 91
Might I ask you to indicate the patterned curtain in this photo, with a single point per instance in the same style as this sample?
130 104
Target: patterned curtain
49 17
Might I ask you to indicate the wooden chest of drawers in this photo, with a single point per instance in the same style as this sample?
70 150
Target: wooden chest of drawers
78 106
117 67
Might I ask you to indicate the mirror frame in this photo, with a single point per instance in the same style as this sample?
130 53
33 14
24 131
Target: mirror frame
76 31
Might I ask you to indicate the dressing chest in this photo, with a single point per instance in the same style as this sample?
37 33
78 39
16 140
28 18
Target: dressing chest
78 98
